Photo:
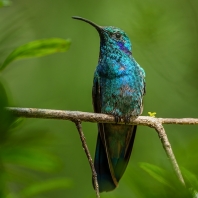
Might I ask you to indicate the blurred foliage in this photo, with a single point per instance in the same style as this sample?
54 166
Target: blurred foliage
22 151
170 185
164 35
5 3
43 186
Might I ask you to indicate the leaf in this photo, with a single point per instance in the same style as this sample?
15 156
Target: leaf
30 158
30 138
5 3
190 178
16 123
156 172
6 118
49 185
37 48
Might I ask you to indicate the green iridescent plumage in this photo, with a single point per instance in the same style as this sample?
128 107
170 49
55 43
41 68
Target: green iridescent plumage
118 89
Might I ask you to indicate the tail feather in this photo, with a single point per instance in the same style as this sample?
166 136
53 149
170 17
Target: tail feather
113 150
123 160
104 178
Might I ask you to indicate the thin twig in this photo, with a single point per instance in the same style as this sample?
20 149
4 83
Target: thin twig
85 147
167 147
103 118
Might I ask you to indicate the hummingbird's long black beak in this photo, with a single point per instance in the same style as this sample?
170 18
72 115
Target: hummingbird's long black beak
98 28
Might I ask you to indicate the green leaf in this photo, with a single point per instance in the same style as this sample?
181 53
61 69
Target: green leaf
5 3
30 158
190 178
49 185
37 48
156 172
6 118
16 123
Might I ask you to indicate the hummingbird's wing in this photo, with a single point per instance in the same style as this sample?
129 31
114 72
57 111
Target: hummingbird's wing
114 146
101 164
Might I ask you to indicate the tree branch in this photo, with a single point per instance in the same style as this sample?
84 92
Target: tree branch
77 116
85 147
167 147
95 117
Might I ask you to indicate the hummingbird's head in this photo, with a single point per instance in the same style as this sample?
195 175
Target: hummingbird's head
111 36
116 37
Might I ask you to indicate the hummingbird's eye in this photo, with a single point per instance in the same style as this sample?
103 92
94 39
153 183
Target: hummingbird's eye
118 35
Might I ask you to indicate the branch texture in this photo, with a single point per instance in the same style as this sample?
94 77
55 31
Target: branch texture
95 117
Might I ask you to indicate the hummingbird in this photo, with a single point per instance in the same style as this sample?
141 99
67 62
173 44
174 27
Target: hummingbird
118 90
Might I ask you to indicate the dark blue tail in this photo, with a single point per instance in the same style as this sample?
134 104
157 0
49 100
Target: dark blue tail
105 180
108 172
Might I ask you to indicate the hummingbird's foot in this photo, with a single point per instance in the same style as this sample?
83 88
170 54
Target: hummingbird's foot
117 119
127 119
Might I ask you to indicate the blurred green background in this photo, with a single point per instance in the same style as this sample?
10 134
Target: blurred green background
164 37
